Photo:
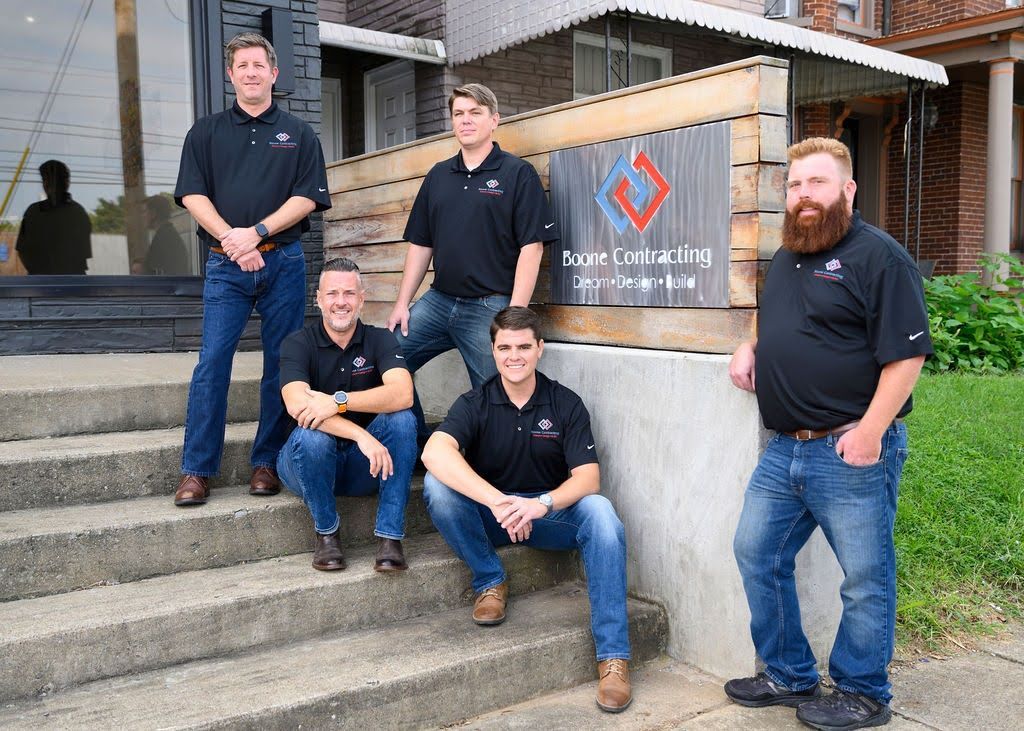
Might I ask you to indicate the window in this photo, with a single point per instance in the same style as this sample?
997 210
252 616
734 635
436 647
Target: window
855 12
90 142
781 8
649 63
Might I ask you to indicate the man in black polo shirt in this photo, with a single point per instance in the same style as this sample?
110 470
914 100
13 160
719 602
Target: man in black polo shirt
530 475
484 219
250 176
349 391
843 333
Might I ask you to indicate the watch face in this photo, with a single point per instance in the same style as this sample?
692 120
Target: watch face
261 229
340 397
546 499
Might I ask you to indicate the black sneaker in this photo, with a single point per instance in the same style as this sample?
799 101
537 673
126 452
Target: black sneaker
761 690
842 711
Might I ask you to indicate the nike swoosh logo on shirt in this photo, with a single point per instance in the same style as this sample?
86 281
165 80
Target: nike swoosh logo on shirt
591 446
322 190
549 225
915 337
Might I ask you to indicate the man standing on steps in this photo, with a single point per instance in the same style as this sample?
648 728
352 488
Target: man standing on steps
843 333
483 218
515 462
348 389
250 176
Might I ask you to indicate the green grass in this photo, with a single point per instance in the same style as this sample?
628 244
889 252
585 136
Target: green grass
960 525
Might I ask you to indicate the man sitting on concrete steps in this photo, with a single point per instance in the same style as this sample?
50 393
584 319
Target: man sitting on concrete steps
530 476
347 387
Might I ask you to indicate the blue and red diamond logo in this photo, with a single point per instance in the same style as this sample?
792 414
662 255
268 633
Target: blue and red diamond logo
648 196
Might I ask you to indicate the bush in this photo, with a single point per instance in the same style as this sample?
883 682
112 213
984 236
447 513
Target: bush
978 327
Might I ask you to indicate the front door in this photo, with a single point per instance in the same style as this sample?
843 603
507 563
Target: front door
390 105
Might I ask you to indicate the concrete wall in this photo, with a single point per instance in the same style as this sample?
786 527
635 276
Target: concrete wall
677 445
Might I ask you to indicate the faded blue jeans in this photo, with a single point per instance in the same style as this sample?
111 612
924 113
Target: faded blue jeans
591 525
439 322
796 487
278 292
317 466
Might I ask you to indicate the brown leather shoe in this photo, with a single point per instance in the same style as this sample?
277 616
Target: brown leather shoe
390 556
327 555
489 607
264 482
613 692
192 490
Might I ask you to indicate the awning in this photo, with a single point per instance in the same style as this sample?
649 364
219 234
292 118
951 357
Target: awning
480 27
384 44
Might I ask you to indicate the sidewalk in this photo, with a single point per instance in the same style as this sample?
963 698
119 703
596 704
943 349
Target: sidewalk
983 689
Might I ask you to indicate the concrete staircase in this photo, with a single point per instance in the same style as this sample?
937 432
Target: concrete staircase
119 609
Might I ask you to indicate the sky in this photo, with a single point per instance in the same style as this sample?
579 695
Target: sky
82 127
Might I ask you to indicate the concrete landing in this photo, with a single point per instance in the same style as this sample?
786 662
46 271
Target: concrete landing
978 690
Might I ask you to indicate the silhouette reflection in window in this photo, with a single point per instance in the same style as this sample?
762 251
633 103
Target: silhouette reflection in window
54 237
167 253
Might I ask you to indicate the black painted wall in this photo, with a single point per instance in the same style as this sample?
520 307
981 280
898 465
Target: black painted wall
161 314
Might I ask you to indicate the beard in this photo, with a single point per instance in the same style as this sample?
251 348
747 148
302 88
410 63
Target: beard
821 233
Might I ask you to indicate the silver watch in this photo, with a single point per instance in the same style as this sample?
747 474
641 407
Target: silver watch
546 501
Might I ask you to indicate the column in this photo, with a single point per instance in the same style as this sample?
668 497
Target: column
997 179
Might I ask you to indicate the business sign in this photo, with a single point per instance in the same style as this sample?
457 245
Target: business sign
644 221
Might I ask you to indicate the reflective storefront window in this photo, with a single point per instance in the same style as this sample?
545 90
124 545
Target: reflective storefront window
95 101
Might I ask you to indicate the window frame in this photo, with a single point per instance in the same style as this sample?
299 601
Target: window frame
660 53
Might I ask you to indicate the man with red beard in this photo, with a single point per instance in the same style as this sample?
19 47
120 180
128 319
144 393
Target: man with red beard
843 333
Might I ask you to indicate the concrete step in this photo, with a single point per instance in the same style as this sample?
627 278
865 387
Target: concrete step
58 395
55 642
89 468
53 550
419 673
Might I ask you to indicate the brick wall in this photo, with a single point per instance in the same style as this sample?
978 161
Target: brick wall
333 11
953 192
304 102
910 15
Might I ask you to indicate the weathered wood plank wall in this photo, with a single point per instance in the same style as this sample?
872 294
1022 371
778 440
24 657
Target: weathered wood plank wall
373 193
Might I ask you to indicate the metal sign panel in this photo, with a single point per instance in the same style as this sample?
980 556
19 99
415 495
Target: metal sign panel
644 220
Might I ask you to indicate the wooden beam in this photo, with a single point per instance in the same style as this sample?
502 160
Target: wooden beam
695 330
758 138
758 187
743 283
758 232
372 259
385 228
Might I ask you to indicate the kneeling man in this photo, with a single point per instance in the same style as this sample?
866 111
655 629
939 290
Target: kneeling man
348 389
530 475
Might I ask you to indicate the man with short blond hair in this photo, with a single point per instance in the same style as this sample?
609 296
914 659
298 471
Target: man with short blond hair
250 176
842 336
483 218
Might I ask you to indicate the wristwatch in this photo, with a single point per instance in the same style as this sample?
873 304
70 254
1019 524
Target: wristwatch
262 230
341 399
547 502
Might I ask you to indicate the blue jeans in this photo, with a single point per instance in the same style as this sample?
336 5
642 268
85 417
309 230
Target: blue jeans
278 292
439 322
590 525
316 466
796 487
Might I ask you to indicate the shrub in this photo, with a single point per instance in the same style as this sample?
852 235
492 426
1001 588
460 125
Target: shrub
977 326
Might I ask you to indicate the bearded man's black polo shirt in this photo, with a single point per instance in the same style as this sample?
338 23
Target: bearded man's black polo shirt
310 356
532 449
476 221
249 166
829 322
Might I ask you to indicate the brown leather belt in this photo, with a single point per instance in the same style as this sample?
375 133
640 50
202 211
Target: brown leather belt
803 435
262 248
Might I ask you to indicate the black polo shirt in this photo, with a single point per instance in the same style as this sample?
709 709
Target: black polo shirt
829 322
249 166
477 221
531 449
310 356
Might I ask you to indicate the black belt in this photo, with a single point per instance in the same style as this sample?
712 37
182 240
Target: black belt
804 435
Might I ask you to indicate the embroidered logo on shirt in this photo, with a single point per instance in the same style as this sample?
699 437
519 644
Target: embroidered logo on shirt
833 265
360 367
545 430
282 141
545 424
492 183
